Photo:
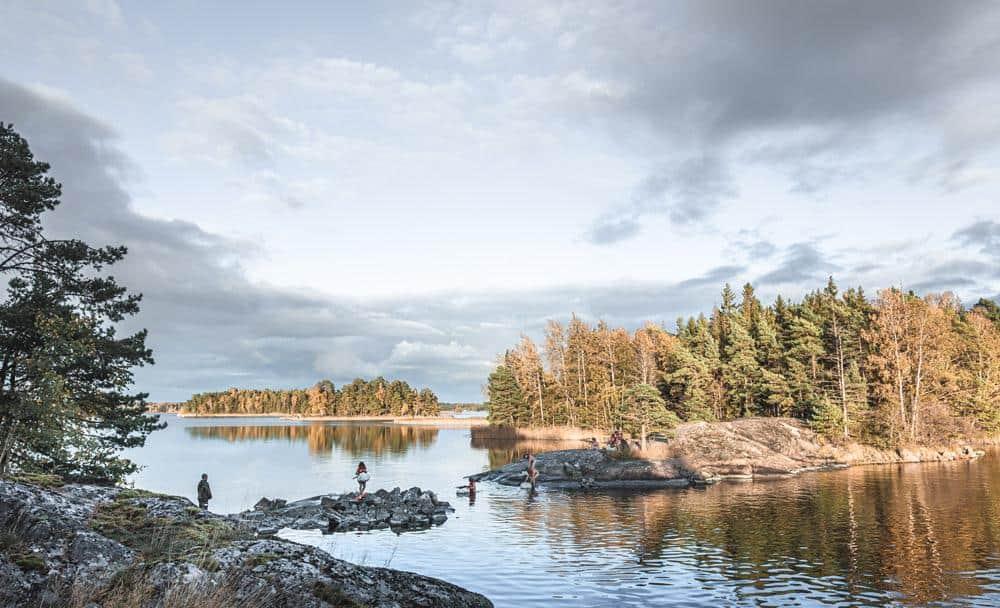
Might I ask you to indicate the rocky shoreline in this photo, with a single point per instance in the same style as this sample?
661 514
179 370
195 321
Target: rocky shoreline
84 545
704 453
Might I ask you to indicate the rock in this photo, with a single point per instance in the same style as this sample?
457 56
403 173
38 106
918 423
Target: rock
57 545
401 510
266 504
703 453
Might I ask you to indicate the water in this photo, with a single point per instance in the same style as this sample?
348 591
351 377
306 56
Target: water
869 536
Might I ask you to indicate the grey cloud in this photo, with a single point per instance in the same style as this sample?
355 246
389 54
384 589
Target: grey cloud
609 228
803 263
684 191
715 277
984 234
956 274
211 327
808 86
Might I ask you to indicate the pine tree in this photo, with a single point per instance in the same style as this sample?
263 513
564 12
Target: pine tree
741 371
65 405
506 401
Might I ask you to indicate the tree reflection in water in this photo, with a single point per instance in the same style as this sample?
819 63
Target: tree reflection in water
501 452
321 438
916 533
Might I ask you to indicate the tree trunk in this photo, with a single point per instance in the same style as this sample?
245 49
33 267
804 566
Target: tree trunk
541 406
8 442
842 381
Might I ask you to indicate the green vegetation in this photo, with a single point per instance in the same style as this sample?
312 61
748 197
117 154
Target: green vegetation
260 559
334 596
45 480
64 405
30 562
160 539
895 370
378 397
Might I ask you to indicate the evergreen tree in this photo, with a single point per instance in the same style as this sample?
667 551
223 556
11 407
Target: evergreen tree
740 371
506 401
644 411
65 405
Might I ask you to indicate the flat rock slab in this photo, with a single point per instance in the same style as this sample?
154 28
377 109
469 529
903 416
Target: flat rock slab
397 509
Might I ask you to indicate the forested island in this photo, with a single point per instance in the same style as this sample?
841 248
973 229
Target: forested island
377 397
899 369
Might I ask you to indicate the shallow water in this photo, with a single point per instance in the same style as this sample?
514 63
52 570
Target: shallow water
870 536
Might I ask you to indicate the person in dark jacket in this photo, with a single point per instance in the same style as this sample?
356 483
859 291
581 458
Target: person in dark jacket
204 491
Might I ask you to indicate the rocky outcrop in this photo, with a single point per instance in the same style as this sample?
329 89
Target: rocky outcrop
400 510
704 452
104 545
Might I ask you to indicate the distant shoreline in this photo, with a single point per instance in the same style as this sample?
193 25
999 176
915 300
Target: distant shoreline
402 420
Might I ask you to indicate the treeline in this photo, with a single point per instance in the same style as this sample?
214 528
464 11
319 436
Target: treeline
892 370
378 397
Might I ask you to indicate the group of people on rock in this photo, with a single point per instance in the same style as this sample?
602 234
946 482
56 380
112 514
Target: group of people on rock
616 441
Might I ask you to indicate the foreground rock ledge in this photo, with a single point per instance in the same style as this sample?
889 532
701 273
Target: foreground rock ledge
101 545
702 453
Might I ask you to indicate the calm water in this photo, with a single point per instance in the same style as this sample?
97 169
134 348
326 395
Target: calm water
872 536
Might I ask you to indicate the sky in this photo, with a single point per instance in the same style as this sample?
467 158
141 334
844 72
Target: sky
337 189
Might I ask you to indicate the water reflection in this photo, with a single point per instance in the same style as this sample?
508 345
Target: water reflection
505 451
864 536
353 439
875 536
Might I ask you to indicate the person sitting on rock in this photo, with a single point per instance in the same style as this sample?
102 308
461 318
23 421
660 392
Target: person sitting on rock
204 492
593 444
361 474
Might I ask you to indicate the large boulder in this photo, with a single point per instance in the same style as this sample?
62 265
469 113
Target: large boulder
93 543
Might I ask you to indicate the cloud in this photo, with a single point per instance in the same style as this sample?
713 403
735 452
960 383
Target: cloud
226 131
108 10
715 277
984 234
684 191
819 94
802 264
611 228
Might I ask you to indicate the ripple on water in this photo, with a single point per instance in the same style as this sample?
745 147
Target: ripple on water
875 536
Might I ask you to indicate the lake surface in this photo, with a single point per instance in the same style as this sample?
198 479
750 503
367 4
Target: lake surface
868 536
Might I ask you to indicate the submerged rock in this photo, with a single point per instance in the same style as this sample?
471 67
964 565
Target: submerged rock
412 509
94 543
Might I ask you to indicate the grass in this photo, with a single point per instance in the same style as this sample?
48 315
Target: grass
161 539
334 596
548 433
133 589
45 480
260 559
30 562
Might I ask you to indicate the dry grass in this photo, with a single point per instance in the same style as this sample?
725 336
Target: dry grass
45 480
545 433
133 589
161 539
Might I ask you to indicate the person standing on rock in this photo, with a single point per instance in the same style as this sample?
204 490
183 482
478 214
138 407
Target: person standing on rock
361 474
204 492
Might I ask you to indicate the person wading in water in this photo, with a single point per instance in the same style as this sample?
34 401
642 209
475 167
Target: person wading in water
532 471
204 492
